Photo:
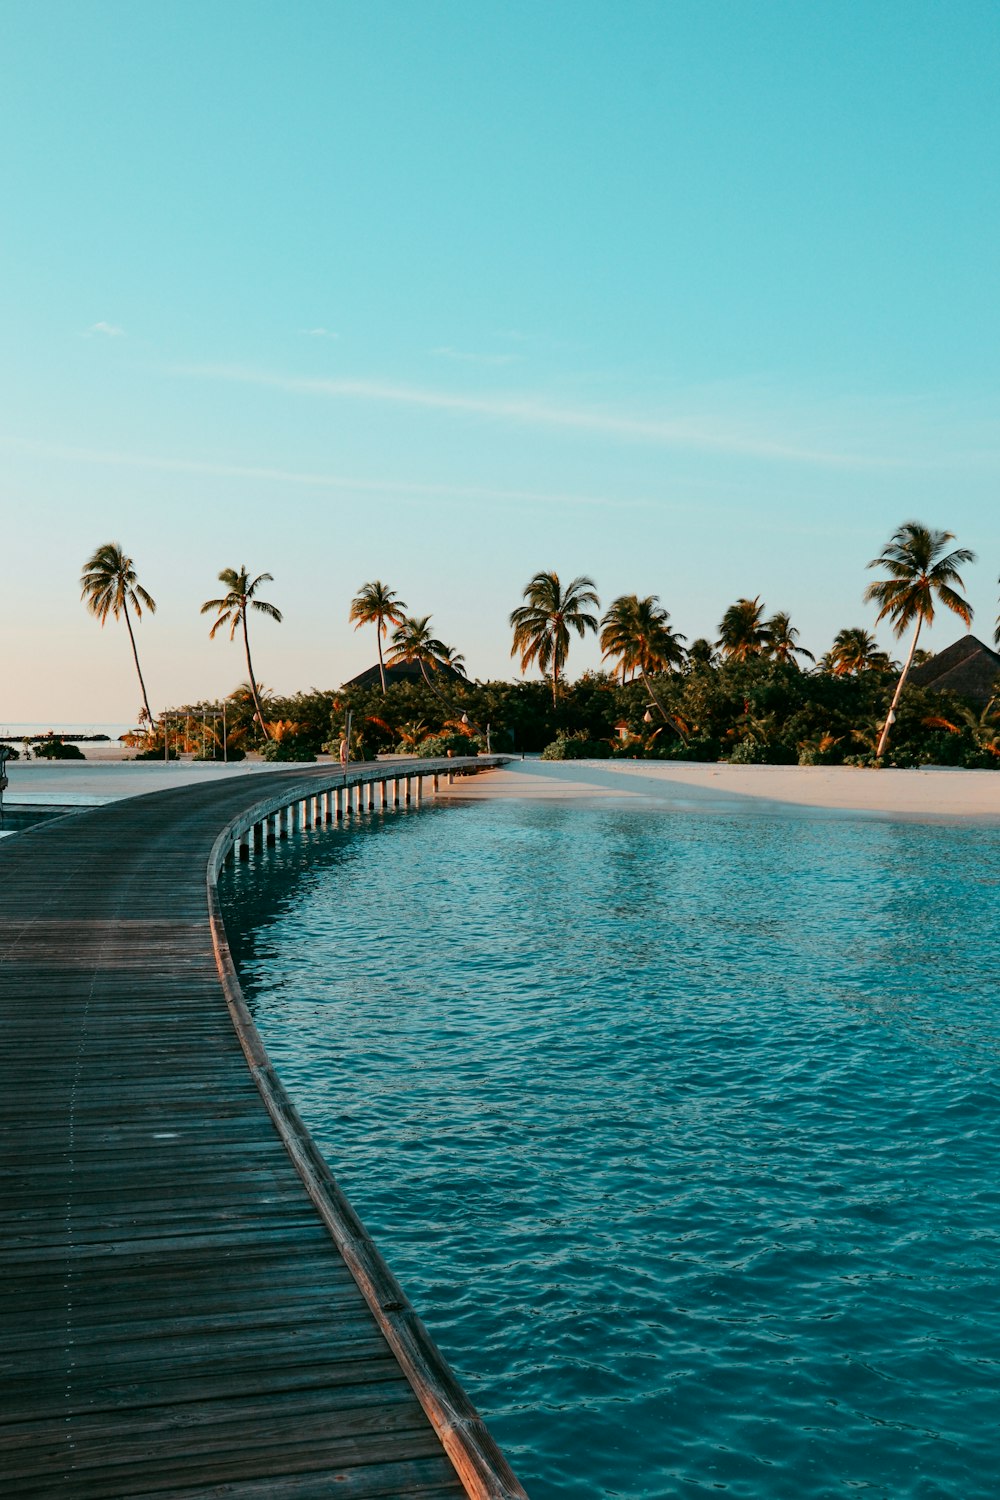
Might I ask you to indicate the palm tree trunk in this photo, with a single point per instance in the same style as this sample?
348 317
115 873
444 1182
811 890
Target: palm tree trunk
379 628
253 680
663 713
890 716
439 696
135 658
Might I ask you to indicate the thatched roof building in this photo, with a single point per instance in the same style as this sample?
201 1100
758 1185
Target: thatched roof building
404 672
968 668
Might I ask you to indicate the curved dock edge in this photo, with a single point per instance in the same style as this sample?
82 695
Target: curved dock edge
477 1460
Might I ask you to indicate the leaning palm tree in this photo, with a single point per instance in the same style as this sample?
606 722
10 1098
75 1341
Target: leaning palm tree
781 638
412 642
743 632
449 657
108 585
231 610
637 632
542 624
374 604
917 573
618 631
854 650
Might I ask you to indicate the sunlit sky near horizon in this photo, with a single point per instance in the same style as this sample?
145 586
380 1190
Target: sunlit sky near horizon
699 299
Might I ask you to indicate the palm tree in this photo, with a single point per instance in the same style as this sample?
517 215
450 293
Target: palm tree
377 605
855 650
108 585
743 632
638 632
449 657
542 624
996 633
701 653
781 638
917 572
617 631
412 642
232 611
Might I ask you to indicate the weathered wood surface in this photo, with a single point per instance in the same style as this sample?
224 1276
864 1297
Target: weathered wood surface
177 1315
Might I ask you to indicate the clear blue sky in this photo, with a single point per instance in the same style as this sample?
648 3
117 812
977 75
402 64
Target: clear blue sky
698 298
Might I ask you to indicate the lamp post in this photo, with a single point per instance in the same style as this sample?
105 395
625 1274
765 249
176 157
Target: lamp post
4 752
345 745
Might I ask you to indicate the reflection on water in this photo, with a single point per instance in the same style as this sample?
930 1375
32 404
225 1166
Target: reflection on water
679 1130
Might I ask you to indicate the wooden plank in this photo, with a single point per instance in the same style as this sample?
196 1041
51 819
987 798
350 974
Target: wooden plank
420 1479
175 1317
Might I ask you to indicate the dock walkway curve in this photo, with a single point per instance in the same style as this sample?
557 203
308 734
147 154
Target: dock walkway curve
188 1304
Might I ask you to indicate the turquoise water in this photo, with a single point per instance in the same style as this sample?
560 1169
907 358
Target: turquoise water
678 1129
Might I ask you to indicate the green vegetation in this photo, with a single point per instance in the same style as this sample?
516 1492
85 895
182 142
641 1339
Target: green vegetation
54 748
750 712
753 696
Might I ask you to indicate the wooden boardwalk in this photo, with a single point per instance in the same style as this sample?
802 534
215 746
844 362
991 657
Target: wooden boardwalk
177 1318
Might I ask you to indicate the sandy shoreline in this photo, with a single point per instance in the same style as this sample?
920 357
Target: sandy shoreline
930 795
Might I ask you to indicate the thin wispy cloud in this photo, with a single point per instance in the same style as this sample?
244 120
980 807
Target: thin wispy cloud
311 480
703 435
320 333
462 357
105 330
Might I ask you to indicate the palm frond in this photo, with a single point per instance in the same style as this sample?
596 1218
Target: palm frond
271 610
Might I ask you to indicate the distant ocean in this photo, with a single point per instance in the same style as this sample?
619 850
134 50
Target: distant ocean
17 730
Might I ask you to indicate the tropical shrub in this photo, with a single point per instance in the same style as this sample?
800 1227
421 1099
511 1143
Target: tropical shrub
291 747
755 752
53 748
576 747
436 745
698 747
824 750
814 716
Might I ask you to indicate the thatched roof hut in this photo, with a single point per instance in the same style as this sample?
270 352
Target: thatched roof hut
404 672
967 668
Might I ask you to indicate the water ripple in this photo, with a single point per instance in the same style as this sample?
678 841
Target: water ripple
678 1129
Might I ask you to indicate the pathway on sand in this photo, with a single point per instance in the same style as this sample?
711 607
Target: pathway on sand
176 1319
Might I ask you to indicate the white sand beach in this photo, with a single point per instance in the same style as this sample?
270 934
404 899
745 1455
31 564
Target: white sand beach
934 794
931 795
